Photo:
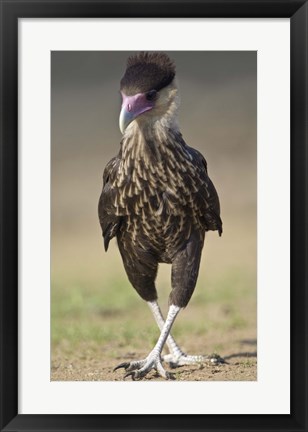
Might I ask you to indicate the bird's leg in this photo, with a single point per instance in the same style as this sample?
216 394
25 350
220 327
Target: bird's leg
158 316
177 357
139 369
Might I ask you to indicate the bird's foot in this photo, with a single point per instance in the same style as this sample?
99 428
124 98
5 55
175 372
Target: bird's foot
177 360
140 368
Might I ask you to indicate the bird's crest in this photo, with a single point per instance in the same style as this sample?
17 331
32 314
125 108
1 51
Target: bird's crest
157 58
147 71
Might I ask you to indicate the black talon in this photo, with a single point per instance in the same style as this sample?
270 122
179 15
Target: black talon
216 359
170 376
132 374
124 365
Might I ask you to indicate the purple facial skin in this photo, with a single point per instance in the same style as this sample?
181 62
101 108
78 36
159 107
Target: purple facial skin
132 107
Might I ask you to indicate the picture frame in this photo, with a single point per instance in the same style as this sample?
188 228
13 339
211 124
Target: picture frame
11 12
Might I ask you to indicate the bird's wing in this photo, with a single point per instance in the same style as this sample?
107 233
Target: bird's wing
206 198
109 221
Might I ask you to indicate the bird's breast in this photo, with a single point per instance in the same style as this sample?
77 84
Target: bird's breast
156 204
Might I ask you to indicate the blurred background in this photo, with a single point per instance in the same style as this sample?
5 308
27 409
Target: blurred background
96 316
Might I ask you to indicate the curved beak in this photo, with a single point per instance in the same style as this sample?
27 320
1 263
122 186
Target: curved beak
132 107
125 119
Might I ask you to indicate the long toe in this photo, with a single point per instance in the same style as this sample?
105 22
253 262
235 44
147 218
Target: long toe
163 373
184 359
130 366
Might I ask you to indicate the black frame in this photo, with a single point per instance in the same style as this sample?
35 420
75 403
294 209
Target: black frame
11 11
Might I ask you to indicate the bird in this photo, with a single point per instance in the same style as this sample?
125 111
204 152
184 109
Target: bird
158 201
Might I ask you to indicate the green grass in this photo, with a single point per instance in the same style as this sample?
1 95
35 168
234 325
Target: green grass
109 310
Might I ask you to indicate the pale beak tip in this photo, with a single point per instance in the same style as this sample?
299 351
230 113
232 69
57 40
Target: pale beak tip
125 119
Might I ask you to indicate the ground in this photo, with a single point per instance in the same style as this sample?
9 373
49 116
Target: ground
92 363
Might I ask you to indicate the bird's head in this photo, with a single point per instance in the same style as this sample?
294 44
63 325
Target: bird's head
148 89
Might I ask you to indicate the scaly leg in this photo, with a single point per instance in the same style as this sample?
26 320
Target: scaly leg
158 316
139 369
177 357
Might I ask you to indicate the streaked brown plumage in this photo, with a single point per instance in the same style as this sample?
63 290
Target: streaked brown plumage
157 198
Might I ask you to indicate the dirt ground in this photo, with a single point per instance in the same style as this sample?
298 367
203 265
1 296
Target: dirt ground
89 364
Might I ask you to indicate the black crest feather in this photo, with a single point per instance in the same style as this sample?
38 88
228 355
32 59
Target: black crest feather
147 71
157 58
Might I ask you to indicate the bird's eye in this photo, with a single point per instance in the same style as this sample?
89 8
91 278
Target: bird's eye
151 95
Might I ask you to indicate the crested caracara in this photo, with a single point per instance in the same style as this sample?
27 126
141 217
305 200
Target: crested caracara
157 200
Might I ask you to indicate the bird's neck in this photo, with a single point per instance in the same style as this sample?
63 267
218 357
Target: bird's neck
147 143
149 136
